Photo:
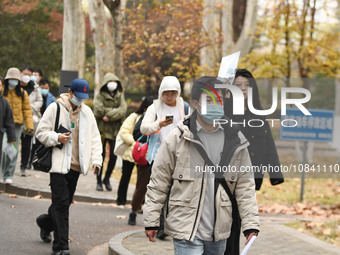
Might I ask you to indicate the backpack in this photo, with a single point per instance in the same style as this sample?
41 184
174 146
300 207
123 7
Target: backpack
136 131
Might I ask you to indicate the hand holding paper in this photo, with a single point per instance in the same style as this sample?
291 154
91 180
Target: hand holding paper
228 68
10 150
245 250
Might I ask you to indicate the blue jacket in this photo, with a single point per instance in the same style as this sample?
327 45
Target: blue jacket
50 99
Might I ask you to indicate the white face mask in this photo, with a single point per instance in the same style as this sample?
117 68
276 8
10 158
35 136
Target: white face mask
34 78
112 86
13 82
11 87
26 78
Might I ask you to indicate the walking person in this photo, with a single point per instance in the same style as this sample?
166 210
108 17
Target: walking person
126 136
7 126
36 76
18 99
110 110
186 180
161 118
47 96
36 101
81 149
262 149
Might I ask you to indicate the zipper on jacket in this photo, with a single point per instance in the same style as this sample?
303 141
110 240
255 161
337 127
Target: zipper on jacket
198 207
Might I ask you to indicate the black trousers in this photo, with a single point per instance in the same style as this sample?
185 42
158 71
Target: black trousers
124 182
63 187
112 160
26 151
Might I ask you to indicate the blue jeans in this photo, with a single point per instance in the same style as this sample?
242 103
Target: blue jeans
199 247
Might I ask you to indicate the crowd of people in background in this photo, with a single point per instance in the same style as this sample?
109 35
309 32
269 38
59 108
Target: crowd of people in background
27 116
27 94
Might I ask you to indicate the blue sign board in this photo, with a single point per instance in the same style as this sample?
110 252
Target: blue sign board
316 127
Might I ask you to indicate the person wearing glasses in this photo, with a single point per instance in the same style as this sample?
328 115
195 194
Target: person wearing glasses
161 118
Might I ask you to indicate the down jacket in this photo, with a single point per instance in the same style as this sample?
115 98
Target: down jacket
175 176
114 107
21 108
90 146
6 121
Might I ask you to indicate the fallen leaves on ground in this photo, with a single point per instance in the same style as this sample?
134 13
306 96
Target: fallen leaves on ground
306 210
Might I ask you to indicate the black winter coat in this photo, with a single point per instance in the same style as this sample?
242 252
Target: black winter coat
262 149
6 121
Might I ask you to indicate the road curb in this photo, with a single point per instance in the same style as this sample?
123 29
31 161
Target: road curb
31 192
115 244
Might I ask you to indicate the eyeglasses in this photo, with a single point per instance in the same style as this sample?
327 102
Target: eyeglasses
169 95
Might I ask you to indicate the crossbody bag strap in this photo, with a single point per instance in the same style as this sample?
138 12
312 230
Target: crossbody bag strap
56 124
220 180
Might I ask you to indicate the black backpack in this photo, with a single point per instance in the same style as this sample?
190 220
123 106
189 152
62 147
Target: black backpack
136 131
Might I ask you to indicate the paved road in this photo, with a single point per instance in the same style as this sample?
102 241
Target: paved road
90 225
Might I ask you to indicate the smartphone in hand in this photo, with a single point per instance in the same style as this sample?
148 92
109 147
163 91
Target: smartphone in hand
97 170
169 116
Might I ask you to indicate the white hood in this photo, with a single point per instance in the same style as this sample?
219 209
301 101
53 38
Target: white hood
169 83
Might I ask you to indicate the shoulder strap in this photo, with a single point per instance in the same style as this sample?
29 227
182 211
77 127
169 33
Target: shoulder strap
186 108
56 124
220 179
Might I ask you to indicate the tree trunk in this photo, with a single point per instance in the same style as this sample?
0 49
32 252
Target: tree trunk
238 23
337 81
73 37
117 12
103 41
211 22
241 39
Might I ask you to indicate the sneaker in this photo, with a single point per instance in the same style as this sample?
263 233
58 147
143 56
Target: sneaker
132 218
23 172
8 181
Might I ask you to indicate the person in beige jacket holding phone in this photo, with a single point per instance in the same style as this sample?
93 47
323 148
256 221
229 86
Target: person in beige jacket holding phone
81 149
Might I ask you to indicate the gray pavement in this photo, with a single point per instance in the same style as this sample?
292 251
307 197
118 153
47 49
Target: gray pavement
37 182
274 238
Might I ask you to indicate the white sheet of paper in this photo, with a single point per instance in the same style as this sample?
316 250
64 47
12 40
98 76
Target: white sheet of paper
228 66
11 151
245 250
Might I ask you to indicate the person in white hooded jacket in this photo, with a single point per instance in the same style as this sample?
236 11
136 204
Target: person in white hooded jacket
81 147
160 119
163 115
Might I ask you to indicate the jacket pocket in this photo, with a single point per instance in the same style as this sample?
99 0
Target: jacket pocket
225 213
182 190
